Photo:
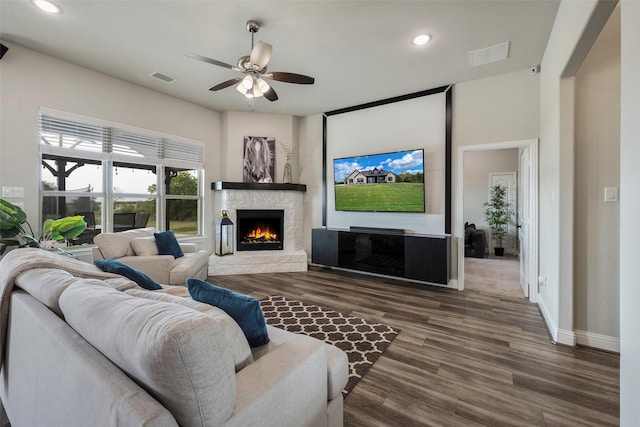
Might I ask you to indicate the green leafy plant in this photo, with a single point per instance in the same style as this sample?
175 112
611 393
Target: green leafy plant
498 214
14 225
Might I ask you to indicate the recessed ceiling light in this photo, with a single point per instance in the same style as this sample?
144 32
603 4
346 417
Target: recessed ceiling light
421 39
47 6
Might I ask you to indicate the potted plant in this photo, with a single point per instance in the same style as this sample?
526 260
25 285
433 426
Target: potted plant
498 214
13 221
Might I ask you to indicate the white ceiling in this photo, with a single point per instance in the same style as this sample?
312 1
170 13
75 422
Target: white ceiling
358 51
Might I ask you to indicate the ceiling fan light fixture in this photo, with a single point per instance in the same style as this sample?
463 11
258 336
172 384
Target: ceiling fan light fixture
247 82
47 6
420 39
262 85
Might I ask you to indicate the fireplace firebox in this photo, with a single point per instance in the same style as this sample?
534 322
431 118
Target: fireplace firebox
259 229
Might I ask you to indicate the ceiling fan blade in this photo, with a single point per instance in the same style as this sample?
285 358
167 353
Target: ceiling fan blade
227 83
210 61
261 54
289 77
271 94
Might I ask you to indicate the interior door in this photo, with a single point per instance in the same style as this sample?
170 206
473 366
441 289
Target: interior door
524 220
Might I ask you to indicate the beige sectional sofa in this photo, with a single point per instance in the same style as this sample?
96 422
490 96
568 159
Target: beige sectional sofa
87 348
137 248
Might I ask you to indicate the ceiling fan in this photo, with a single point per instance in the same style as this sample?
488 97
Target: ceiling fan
254 68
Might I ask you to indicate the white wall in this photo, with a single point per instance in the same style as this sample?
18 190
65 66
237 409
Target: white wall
237 125
596 223
31 80
311 173
629 209
573 25
412 124
493 109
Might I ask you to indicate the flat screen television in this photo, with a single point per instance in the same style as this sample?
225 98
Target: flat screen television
386 182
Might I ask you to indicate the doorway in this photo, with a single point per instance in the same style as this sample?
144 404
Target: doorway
524 270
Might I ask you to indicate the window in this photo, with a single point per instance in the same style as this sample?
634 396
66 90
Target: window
111 174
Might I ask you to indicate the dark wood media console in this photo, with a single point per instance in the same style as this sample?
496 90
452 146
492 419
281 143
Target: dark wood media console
384 251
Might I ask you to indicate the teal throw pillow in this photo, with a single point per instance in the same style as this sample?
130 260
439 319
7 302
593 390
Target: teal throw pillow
113 266
245 310
168 244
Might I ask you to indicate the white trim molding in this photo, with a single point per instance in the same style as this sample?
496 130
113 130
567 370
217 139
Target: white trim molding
566 337
558 336
458 229
599 341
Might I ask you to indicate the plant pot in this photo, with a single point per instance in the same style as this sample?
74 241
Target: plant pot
498 251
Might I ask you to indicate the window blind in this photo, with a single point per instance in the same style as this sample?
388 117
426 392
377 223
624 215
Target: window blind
73 135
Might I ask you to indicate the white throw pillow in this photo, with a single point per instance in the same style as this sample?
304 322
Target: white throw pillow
144 246
113 245
117 245
172 351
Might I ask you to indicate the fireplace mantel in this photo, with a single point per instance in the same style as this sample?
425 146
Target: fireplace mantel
224 185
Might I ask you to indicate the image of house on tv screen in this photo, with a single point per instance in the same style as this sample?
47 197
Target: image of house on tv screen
387 182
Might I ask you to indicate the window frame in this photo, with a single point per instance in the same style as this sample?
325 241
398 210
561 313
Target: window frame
183 154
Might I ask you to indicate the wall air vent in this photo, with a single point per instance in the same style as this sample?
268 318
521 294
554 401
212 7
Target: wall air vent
163 77
490 54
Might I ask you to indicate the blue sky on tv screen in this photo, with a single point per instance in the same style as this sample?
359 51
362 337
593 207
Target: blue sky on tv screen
397 162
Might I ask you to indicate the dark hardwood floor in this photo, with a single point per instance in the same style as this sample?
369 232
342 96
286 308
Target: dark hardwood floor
461 358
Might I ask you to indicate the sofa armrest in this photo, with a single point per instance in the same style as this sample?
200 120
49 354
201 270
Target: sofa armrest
188 247
158 267
96 253
289 383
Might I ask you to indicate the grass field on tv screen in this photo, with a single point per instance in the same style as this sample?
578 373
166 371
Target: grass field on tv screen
383 197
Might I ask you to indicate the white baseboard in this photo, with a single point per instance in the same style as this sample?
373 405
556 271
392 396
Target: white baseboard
546 316
599 341
558 336
566 337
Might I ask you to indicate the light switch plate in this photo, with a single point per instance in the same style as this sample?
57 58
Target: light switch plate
610 194
13 192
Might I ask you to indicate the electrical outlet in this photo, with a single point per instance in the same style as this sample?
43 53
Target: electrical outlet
542 281
610 194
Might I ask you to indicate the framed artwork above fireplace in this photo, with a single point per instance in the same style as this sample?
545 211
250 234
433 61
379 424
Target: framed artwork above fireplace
259 160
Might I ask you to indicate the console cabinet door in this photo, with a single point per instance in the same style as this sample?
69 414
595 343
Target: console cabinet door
324 247
426 259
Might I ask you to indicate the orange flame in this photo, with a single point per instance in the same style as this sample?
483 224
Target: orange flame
258 233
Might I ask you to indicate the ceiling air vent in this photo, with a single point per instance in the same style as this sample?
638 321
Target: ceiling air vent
163 77
486 55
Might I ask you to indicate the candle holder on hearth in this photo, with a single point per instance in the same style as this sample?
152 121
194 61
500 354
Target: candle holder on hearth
224 235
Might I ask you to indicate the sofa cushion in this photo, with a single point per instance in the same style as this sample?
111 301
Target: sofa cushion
114 266
172 351
235 340
168 244
47 284
144 246
116 245
244 309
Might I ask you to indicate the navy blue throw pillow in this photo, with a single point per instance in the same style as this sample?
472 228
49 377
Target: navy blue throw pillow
113 266
168 244
245 310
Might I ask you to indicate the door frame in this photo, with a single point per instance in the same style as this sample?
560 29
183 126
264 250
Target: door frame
533 206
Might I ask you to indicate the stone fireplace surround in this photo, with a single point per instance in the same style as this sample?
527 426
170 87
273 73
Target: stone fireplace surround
232 196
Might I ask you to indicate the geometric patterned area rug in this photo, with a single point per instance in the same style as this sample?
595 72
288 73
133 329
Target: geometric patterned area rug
363 341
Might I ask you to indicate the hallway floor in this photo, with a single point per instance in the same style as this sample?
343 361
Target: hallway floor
493 275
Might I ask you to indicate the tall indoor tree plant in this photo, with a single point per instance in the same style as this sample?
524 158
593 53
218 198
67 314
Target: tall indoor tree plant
498 214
